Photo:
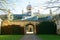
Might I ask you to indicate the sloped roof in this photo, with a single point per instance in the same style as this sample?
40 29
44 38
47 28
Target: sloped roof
33 18
45 18
20 16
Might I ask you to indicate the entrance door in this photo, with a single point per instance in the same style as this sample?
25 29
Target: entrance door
29 29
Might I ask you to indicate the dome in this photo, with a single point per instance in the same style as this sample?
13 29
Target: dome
29 7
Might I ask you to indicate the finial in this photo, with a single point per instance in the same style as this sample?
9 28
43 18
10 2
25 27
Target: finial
50 11
38 10
22 11
9 11
29 2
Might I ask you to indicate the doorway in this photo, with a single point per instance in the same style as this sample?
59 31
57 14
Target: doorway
29 29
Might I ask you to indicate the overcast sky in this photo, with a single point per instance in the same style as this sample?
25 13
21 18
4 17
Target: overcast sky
16 6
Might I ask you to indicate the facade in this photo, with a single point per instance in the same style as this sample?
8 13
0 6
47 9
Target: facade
25 20
22 22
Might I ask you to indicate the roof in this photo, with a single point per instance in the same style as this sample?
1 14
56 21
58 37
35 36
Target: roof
45 18
34 18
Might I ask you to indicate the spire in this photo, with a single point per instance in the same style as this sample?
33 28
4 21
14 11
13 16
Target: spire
9 11
50 12
22 11
29 6
10 16
38 11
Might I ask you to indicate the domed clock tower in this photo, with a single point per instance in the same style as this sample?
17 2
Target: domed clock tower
29 8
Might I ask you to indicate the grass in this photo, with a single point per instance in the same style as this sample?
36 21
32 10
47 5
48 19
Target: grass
41 36
49 37
10 37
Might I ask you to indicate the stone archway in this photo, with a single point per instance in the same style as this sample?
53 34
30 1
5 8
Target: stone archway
29 29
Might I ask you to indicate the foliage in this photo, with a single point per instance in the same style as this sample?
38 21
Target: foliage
10 37
48 37
46 27
12 29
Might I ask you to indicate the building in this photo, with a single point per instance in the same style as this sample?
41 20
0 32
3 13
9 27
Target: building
25 20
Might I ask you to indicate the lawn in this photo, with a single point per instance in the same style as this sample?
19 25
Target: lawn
49 37
10 37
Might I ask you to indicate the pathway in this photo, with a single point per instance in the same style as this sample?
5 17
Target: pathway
30 37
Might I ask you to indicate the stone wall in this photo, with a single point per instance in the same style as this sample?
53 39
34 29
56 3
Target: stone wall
58 27
58 31
21 23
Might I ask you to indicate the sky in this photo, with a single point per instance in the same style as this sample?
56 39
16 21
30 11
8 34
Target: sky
16 6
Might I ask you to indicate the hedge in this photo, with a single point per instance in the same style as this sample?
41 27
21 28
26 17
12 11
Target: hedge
46 27
12 29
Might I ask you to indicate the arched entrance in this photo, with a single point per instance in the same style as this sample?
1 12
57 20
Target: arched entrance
29 29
